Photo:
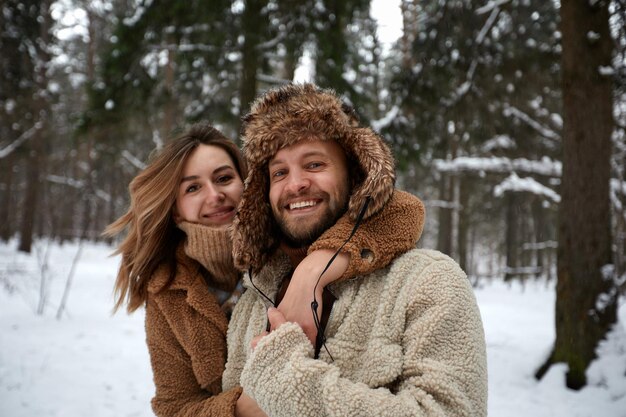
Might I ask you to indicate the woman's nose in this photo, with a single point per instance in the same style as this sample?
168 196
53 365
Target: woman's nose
213 194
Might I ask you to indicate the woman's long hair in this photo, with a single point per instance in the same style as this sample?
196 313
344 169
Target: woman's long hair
152 236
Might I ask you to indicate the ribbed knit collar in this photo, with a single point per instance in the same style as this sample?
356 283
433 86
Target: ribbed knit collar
212 248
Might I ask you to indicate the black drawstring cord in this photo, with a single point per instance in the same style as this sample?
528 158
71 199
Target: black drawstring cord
320 338
272 303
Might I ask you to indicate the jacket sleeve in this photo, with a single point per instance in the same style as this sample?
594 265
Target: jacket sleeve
178 392
443 368
379 239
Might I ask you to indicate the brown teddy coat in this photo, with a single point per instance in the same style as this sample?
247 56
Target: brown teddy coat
186 327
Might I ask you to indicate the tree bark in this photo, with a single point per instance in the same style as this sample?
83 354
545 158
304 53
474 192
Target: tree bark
586 300
36 157
6 219
251 56
444 235
512 240
463 221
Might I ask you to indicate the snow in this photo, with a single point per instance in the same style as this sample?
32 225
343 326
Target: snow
386 120
93 363
528 184
545 166
498 142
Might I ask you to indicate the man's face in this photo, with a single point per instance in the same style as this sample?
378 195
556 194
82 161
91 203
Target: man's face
309 189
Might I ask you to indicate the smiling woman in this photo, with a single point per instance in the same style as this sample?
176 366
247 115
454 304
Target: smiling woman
210 188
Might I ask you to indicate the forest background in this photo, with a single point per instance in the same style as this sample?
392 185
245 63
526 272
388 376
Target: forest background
507 117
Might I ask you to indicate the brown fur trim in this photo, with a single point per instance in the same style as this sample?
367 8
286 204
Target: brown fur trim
283 117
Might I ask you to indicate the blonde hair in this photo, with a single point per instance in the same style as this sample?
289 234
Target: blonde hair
152 236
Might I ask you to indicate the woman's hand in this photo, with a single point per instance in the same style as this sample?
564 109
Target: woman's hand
296 304
247 407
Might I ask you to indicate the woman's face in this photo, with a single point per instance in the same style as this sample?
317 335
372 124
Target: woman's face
210 188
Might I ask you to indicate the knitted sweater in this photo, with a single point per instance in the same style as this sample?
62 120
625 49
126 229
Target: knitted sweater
406 341
186 326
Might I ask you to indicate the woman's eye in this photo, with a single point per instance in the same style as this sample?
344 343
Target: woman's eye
225 179
191 188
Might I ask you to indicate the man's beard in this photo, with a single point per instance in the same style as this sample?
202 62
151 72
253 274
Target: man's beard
299 237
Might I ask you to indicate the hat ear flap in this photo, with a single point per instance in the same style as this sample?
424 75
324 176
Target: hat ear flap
377 164
253 226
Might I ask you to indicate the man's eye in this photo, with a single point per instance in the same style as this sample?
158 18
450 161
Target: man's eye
314 165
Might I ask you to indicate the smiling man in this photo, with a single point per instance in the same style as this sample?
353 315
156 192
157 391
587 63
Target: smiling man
308 189
404 340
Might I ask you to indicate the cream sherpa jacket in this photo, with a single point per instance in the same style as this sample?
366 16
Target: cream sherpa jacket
409 343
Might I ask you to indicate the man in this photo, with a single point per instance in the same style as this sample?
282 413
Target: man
406 340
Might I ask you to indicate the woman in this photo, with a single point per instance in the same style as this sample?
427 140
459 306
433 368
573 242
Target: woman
176 260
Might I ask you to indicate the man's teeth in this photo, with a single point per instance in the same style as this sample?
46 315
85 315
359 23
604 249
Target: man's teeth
301 204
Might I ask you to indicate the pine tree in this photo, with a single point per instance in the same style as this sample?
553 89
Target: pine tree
586 303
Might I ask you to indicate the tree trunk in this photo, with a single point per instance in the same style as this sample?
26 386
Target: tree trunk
586 300
169 106
444 234
410 30
250 61
463 221
6 220
36 156
512 241
541 237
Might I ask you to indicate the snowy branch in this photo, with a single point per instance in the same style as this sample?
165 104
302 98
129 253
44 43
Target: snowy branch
139 11
263 46
443 204
271 80
490 6
548 244
78 184
70 182
386 120
7 150
498 142
133 160
183 47
541 129
546 166
616 194
529 185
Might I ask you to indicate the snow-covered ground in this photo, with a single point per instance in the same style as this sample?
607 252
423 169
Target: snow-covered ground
92 363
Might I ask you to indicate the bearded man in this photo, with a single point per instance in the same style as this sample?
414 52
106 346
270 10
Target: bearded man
405 340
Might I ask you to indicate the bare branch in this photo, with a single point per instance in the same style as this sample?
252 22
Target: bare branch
6 151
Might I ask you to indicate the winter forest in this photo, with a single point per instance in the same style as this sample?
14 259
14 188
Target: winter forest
507 117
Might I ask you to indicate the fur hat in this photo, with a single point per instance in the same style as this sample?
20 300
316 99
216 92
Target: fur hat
280 118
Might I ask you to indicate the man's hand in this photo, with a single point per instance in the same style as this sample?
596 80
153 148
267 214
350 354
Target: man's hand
296 304
247 407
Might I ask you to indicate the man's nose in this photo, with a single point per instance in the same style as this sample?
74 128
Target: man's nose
297 182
